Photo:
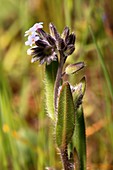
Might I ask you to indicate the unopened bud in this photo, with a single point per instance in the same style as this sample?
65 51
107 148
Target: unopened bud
51 40
79 92
42 33
60 44
65 33
73 68
71 39
70 49
41 43
53 31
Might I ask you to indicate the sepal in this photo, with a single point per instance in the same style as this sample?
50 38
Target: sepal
73 68
79 92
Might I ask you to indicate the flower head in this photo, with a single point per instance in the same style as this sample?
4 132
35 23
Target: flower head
42 52
45 47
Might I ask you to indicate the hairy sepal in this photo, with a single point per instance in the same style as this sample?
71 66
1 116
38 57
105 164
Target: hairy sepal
73 68
79 92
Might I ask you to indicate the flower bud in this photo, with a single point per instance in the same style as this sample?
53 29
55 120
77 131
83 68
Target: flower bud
60 44
42 33
70 49
53 31
41 43
73 68
71 39
51 40
79 92
65 33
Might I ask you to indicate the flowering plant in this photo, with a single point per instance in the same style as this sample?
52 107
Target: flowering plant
63 101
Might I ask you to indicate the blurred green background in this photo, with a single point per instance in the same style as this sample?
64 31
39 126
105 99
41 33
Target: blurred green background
26 136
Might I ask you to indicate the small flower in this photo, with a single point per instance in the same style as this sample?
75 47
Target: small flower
32 34
38 26
32 39
33 29
29 32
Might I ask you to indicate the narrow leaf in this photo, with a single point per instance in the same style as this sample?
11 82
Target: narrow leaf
79 138
66 117
103 64
50 75
73 68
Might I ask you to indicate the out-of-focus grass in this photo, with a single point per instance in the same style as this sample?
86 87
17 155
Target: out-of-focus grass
26 136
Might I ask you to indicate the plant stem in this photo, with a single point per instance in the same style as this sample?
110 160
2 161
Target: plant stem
67 165
58 78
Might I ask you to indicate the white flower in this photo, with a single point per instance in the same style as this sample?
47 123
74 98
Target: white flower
38 26
32 39
33 29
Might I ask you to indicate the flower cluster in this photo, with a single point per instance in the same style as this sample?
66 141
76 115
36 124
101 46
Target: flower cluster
45 47
32 34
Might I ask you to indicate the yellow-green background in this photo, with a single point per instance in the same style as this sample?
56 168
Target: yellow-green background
26 136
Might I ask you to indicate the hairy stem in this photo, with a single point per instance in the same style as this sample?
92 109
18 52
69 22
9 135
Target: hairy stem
67 165
58 78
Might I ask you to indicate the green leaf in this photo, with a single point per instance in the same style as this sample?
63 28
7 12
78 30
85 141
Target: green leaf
79 138
50 75
66 117
73 68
